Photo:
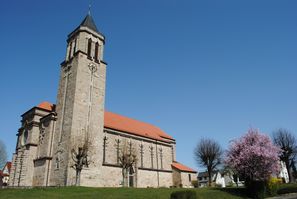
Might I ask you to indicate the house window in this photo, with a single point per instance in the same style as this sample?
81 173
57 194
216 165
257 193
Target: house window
89 47
190 178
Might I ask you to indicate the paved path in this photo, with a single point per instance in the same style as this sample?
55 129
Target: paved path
285 196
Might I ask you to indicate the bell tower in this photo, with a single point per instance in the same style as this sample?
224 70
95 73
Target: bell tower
80 106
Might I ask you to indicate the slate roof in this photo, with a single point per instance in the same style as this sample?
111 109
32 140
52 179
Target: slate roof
182 167
89 22
128 125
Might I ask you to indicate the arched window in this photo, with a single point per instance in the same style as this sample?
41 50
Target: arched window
74 49
70 50
89 48
24 137
96 51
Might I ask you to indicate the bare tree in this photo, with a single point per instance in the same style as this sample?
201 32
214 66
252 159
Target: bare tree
3 154
287 142
80 158
127 159
208 153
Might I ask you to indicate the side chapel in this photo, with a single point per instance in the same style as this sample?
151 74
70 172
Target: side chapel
50 132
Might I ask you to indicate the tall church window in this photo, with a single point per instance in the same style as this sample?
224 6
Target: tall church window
89 47
70 50
172 153
130 147
141 155
161 157
152 156
190 178
74 49
104 147
57 163
96 51
118 150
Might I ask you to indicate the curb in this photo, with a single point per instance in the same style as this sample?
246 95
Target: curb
285 196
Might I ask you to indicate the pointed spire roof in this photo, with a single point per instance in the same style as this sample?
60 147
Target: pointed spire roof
89 23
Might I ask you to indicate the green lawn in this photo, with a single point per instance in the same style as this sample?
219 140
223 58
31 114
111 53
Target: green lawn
113 193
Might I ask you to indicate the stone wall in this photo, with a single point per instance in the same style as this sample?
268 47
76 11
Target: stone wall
26 150
80 112
187 178
155 154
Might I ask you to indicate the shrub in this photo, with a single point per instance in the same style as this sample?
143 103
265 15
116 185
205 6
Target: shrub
256 189
287 188
194 183
273 185
188 194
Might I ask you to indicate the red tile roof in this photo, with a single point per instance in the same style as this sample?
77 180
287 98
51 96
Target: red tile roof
132 126
121 123
46 105
182 167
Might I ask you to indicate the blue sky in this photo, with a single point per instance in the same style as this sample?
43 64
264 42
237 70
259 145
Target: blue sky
197 69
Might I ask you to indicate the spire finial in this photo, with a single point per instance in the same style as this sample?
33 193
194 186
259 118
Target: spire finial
89 12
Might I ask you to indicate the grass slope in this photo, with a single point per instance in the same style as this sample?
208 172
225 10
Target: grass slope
113 193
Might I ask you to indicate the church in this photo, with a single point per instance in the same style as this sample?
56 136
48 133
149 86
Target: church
50 134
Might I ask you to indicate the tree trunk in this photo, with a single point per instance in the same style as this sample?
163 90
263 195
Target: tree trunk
209 177
77 178
124 174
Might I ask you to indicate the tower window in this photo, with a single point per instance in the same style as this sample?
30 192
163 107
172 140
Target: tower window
57 163
89 47
74 49
96 51
24 138
70 50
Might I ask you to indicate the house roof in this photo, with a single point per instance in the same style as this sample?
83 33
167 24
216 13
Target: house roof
182 167
205 174
121 123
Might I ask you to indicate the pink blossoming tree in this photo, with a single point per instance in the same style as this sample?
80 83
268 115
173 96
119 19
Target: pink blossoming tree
254 156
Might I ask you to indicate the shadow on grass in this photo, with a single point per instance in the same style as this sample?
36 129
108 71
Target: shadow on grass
236 191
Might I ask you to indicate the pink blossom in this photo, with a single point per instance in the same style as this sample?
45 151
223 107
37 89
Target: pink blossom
254 156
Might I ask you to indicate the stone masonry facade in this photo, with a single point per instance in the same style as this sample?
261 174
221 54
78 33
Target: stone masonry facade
50 132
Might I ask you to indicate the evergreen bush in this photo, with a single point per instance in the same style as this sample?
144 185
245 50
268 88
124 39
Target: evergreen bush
188 194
